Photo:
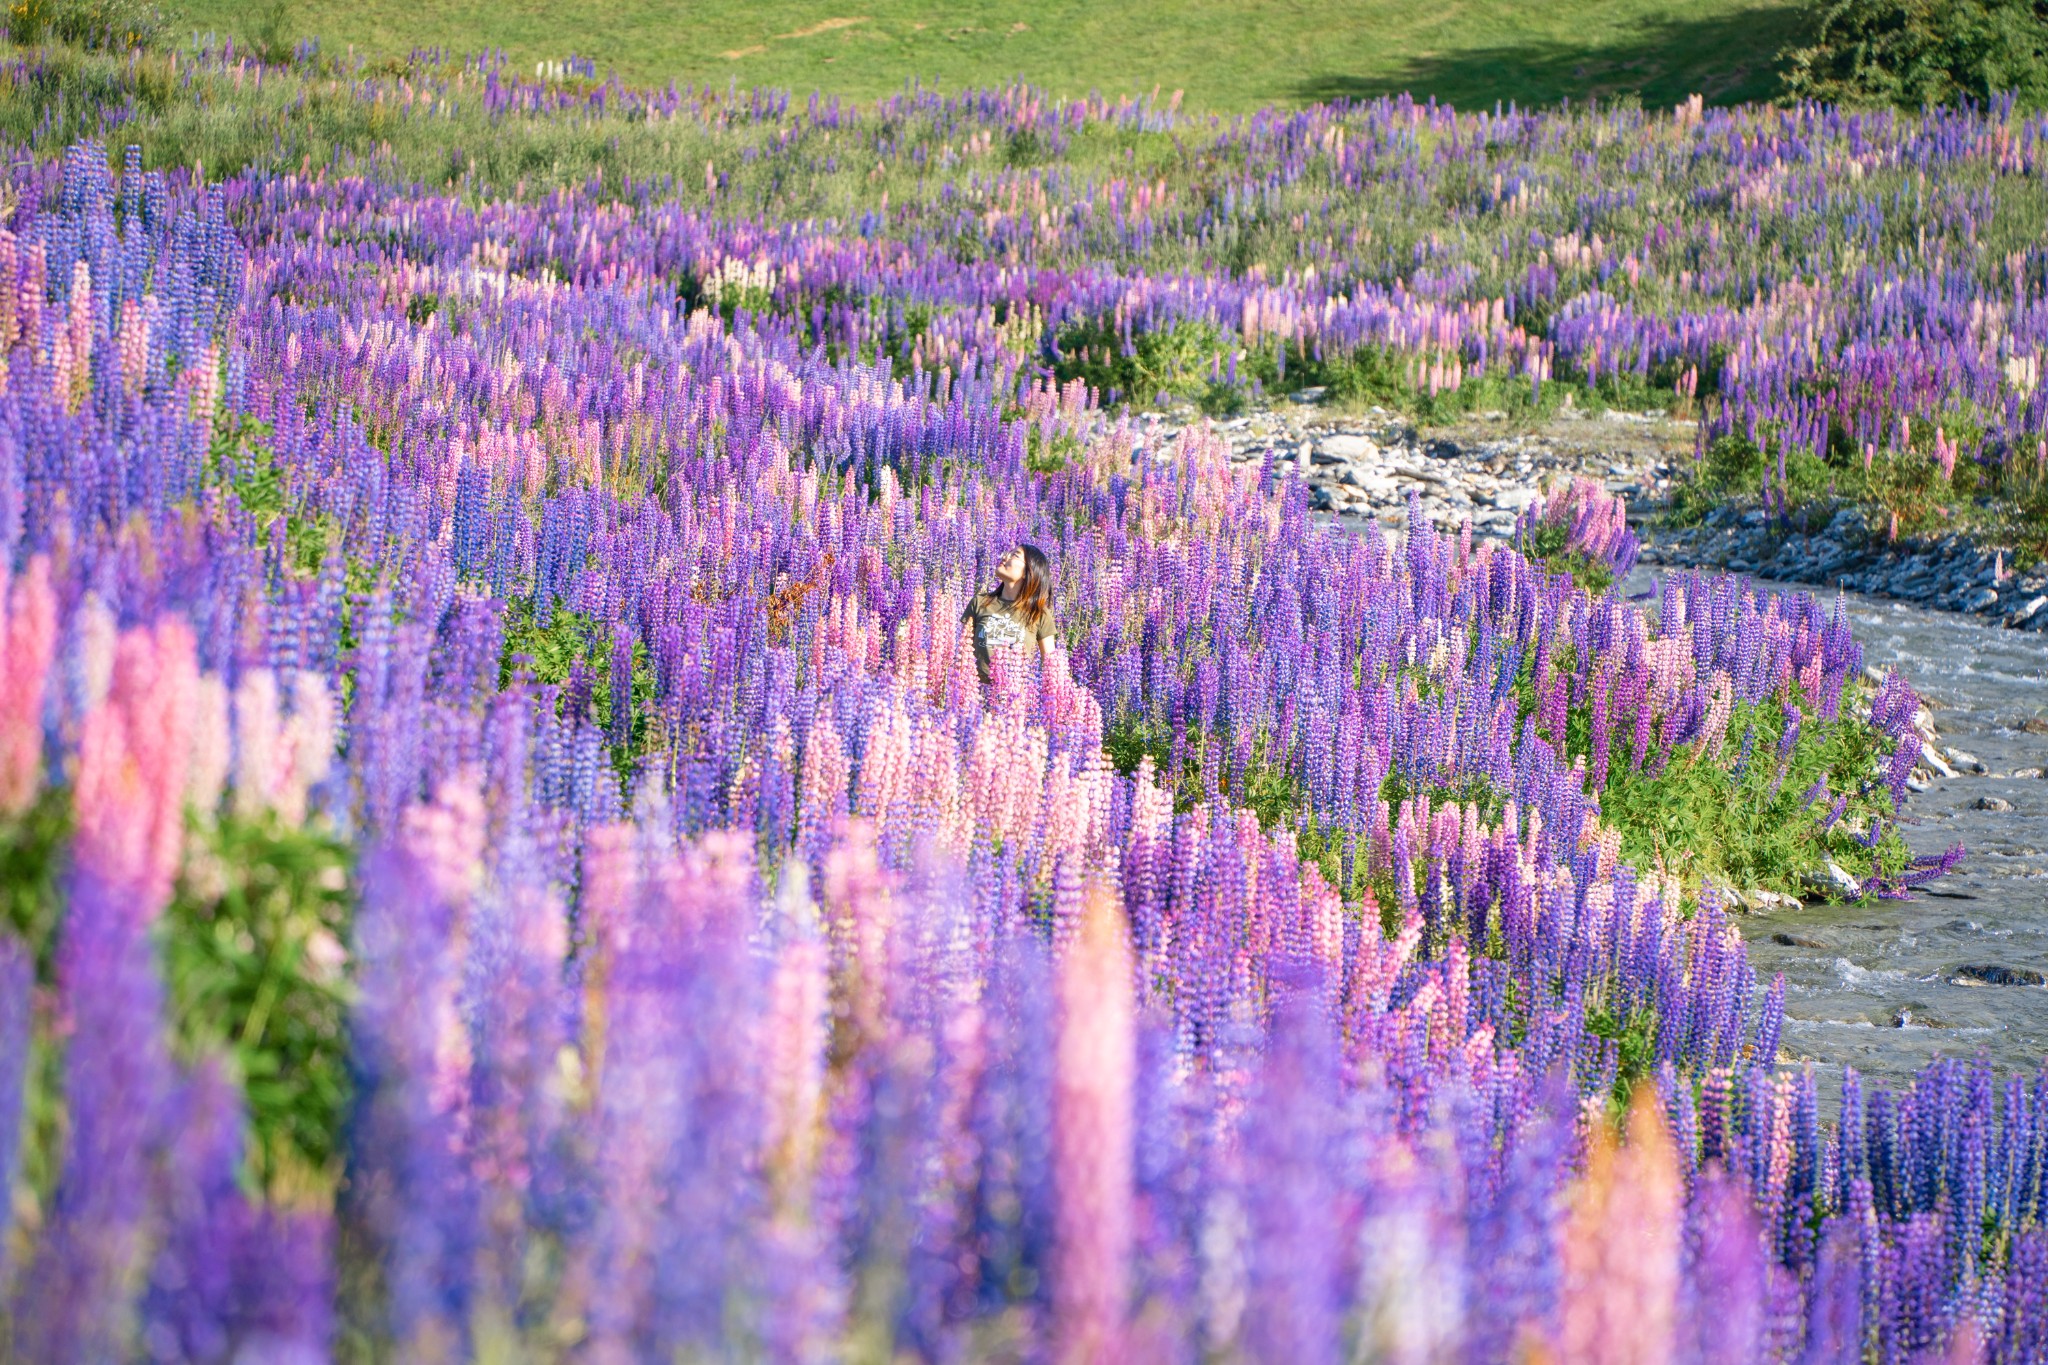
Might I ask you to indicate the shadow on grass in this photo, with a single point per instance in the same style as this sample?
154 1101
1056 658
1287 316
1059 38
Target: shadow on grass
1728 59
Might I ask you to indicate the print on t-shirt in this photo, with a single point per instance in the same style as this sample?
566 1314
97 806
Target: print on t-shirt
1003 630
1000 624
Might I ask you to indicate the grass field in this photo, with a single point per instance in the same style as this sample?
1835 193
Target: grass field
1225 54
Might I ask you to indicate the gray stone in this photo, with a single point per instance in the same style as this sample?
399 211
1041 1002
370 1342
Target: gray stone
1350 445
1991 803
1980 598
1995 974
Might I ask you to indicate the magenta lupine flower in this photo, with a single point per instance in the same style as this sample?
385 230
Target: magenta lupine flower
1092 1137
1621 1248
28 638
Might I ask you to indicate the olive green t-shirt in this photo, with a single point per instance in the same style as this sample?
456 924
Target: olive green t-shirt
997 622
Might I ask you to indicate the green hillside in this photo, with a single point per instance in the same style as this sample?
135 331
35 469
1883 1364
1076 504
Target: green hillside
1225 54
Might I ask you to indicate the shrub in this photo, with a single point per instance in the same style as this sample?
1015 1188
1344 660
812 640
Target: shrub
1919 52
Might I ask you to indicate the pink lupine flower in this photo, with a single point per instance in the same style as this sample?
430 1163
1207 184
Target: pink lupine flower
28 640
277 760
860 913
1621 1246
1092 1136
93 634
1719 709
134 757
258 755
78 323
134 348
211 745
795 1035
10 308
446 840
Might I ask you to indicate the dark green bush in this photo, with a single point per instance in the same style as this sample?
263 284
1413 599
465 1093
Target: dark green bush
1911 53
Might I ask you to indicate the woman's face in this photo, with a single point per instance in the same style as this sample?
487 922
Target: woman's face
1010 567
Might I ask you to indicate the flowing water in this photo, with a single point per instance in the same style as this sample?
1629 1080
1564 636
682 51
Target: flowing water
1885 986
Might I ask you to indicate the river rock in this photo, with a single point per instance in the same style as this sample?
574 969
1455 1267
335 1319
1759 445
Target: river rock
1991 803
1794 941
1350 445
1935 762
1994 974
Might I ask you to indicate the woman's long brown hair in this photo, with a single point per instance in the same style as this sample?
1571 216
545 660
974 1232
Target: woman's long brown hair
1034 589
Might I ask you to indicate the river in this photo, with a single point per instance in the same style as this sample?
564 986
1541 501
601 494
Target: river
1885 986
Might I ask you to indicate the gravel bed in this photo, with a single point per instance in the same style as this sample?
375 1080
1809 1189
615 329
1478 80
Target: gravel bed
1362 466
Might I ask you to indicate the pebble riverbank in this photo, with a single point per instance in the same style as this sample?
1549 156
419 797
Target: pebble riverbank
1363 466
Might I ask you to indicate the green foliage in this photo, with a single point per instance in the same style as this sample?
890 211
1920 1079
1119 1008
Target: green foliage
1727 819
241 461
1635 1045
31 857
253 951
1546 545
252 944
1381 376
552 654
1210 766
1050 454
112 25
1911 53
1745 824
32 847
2023 520
1903 490
239 458
1188 359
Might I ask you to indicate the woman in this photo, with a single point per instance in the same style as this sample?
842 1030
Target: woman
1018 611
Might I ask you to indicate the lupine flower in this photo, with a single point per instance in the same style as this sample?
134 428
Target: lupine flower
1622 1247
1092 1137
30 637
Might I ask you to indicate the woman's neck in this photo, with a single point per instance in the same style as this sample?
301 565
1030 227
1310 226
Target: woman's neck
1008 591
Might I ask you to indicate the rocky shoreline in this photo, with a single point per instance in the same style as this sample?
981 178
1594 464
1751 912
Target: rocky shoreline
1949 574
1361 466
